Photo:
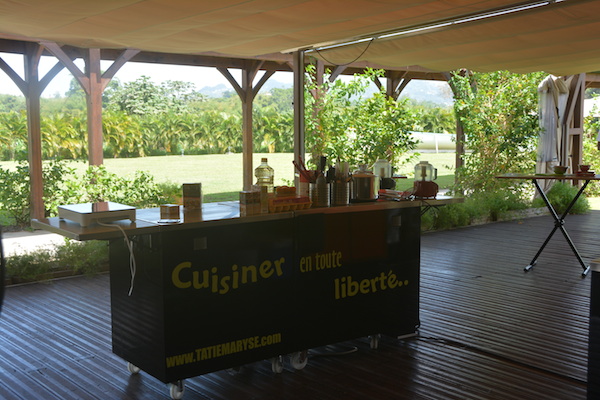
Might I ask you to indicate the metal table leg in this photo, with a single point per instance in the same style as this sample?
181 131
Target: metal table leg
559 222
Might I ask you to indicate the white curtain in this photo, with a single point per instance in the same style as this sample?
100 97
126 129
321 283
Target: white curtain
554 143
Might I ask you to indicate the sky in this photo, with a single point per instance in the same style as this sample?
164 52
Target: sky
199 76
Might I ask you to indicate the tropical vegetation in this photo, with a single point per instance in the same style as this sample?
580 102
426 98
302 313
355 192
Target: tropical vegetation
345 121
141 118
498 112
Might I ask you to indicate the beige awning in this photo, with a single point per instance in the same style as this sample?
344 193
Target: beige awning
561 38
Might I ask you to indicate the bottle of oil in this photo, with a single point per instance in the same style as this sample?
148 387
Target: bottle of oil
264 175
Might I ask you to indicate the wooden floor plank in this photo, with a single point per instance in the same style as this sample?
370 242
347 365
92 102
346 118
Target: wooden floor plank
488 331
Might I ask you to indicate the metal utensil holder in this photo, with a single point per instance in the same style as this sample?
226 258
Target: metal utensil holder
340 193
319 194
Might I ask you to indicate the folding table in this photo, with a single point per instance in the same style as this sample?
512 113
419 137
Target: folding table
559 220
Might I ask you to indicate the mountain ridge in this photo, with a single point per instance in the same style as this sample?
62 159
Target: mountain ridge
434 92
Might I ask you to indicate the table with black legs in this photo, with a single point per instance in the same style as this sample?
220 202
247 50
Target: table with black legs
559 220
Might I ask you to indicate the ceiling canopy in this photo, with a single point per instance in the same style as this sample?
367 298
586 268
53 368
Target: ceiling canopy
560 37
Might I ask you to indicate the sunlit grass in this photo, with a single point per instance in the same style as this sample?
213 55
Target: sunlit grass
220 173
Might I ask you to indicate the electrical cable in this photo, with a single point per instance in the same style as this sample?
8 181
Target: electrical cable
348 63
129 244
327 353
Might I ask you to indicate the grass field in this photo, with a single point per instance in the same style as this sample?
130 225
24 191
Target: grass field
222 173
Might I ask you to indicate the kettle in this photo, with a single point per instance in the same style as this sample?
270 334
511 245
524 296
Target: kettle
424 187
425 171
383 169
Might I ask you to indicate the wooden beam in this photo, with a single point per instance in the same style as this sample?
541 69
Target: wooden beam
121 60
337 72
378 83
236 86
67 61
261 82
46 79
271 62
20 82
400 87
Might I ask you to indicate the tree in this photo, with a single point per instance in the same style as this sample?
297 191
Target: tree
122 135
434 118
143 97
13 135
9 103
344 124
498 112
64 136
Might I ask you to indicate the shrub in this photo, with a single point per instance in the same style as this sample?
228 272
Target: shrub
62 186
170 192
80 257
85 257
498 112
488 206
560 196
15 189
98 184
30 265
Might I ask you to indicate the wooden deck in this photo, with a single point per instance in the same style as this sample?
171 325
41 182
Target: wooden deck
488 331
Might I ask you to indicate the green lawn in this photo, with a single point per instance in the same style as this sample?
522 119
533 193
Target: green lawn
222 173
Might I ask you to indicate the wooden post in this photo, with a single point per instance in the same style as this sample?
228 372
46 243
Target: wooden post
34 131
247 93
248 75
93 82
94 107
298 68
460 134
32 88
573 121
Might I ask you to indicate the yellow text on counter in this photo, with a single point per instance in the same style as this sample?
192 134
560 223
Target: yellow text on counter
223 349
220 283
321 261
348 287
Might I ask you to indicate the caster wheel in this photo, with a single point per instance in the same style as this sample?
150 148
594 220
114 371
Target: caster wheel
374 341
299 359
132 369
176 390
277 364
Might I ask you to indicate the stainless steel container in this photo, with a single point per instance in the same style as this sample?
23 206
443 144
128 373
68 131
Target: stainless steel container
340 193
364 186
320 194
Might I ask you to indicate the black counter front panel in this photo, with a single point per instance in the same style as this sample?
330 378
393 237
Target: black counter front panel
206 299
356 274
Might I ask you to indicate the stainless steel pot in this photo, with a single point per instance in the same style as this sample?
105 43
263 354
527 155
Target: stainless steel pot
364 186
